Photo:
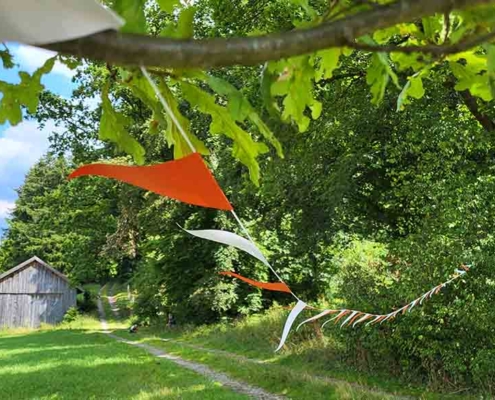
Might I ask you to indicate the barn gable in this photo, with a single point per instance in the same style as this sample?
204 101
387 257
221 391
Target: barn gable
33 293
33 276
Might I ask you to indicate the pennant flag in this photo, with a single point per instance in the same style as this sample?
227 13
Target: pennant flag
276 287
317 316
48 21
188 180
301 305
230 239
354 318
366 316
351 318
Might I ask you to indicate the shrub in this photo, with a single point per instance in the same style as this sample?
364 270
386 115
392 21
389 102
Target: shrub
484 370
71 315
87 302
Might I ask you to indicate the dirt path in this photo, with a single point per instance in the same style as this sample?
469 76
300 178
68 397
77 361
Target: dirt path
205 370
225 380
306 376
113 304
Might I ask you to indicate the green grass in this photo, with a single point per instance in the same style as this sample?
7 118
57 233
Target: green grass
114 322
291 372
271 377
119 292
93 288
76 361
288 372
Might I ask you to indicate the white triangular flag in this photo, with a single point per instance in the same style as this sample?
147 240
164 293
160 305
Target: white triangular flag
41 22
231 239
366 316
337 316
301 305
322 314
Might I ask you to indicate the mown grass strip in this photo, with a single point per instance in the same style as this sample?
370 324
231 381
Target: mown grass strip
84 364
271 377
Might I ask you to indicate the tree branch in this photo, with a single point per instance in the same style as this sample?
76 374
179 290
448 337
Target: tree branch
471 103
435 50
131 49
446 26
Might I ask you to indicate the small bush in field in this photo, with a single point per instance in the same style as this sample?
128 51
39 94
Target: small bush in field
484 370
87 303
71 315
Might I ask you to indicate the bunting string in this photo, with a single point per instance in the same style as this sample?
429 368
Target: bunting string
193 149
351 316
189 180
167 108
355 317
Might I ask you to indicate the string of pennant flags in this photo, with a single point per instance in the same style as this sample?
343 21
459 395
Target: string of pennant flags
187 179
355 317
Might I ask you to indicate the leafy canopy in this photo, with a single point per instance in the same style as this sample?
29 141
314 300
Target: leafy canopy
290 88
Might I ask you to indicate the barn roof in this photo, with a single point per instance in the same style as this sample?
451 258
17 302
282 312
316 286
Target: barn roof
29 262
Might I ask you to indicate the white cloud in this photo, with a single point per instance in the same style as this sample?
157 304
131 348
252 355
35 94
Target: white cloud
31 58
6 208
21 146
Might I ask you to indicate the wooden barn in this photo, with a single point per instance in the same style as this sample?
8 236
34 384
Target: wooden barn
33 293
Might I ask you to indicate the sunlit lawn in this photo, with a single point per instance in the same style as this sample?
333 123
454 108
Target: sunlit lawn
82 363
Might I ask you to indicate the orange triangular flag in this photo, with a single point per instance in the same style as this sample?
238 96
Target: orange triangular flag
188 180
277 287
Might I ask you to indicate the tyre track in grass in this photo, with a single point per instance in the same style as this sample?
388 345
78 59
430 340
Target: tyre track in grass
235 385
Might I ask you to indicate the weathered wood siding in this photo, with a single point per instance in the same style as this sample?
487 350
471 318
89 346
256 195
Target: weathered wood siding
34 295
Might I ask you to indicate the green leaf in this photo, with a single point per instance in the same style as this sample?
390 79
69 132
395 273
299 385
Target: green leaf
329 62
383 36
245 149
379 73
377 77
26 94
141 88
304 4
69 61
6 58
132 11
172 134
413 88
432 27
168 5
490 54
469 78
316 110
238 106
185 24
267 79
161 120
184 27
384 59
475 62
240 109
405 61
113 128
295 84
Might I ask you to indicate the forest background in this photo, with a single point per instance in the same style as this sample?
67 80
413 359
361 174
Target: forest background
365 177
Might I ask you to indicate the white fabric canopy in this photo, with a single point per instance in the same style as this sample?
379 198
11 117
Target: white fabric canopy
46 21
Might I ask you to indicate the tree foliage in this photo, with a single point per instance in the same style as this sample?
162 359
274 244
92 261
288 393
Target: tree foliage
370 179
291 84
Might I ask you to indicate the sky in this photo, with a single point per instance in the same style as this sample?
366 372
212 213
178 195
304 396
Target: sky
22 145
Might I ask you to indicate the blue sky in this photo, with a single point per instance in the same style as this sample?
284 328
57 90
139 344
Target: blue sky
22 145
